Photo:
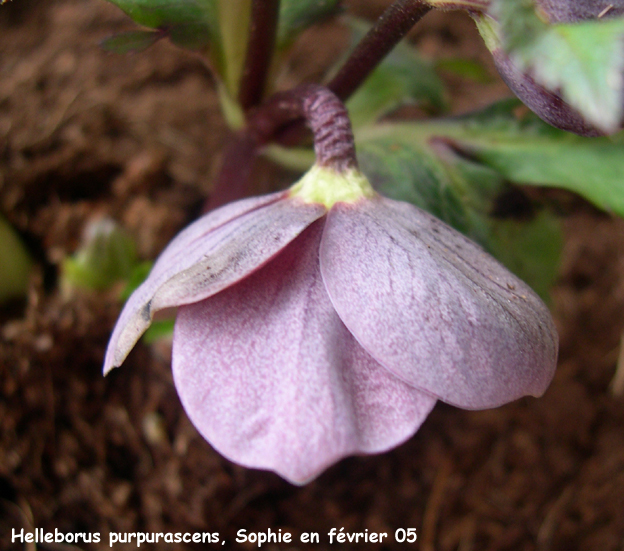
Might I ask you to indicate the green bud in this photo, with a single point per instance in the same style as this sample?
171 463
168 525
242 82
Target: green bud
106 255
15 263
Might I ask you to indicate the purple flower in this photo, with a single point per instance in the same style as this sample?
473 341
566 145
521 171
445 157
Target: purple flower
326 320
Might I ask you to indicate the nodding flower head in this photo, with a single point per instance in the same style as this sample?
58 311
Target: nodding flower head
326 320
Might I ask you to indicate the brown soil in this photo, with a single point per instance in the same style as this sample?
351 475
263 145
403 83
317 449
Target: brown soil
85 133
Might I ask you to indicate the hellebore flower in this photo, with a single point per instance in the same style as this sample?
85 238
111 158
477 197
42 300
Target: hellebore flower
313 326
326 320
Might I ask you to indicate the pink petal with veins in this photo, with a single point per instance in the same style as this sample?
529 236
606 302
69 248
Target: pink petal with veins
216 251
433 307
272 378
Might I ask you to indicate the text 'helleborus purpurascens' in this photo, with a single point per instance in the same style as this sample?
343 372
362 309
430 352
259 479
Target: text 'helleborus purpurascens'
326 320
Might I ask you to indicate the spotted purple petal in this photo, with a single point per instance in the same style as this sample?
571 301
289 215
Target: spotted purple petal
433 307
211 254
269 374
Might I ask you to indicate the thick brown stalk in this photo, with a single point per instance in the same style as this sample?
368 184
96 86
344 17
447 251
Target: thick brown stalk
260 47
324 114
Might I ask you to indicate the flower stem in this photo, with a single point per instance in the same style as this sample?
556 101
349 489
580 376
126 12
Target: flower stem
378 42
280 118
233 178
260 47
387 32
323 112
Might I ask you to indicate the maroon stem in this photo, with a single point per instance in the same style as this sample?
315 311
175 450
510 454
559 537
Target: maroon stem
387 32
260 47
233 179
281 117
324 113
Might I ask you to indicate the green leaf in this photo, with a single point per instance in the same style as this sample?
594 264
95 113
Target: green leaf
133 41
297 15
523 149
532 249
217 28
465 68
584 61
189 23
417 163
15 263
402 78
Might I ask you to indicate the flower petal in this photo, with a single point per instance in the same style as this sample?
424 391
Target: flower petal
272 378
433 307
214 252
